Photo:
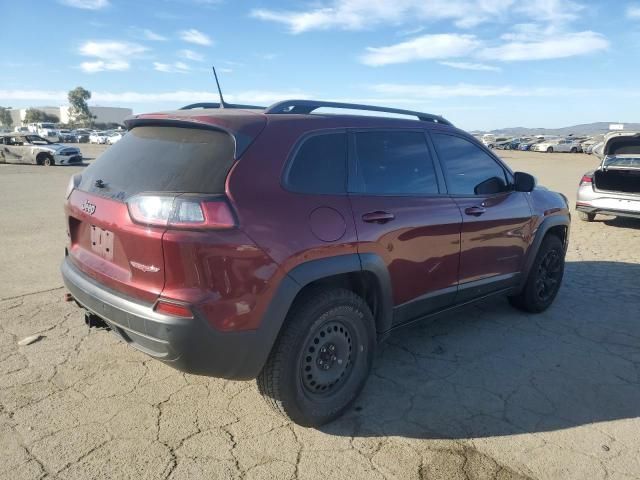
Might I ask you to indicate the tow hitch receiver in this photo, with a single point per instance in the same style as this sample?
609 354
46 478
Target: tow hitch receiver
94 321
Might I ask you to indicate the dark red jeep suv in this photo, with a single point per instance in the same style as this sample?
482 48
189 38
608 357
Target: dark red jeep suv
284 244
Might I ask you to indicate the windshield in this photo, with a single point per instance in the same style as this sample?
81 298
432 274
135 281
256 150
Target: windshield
47 125
622 161
36 140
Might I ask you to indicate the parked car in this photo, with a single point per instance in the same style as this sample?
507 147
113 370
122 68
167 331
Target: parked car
294 275
614 187
98 138
81 135
548 146
45 130
514 143
529 144
488 140
67 136
114 137
21 129
30 148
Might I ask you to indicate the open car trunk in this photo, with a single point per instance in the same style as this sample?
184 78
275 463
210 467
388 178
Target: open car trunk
618 180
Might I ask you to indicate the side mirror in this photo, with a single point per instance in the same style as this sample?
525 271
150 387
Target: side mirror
524 182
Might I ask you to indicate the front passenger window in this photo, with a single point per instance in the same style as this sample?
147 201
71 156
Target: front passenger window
467 168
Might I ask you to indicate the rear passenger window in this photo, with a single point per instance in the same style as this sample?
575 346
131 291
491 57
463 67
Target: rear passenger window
393 163
320 165
468 169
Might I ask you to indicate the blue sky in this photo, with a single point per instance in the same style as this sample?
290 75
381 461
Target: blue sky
483 64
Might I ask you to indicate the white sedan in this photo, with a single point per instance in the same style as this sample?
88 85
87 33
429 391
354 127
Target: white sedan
566 145
98 137
114 137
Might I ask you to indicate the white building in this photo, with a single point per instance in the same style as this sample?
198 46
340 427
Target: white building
102 114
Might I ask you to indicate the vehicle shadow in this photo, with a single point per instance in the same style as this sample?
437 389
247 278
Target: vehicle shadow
491 370
622 222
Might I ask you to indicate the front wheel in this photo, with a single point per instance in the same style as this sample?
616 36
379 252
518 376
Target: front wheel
550 150
545 277
587 217
574 150
322 357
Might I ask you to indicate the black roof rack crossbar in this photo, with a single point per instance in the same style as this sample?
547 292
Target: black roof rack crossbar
308 106
217 105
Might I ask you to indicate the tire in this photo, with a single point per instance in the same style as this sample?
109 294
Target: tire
48 161
574 150
322 357
545 277
587 217
550 150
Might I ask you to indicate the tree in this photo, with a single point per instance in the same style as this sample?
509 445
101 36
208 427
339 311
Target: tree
33 115
79 113
5 117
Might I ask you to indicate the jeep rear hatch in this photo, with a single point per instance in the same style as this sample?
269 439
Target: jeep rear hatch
156 177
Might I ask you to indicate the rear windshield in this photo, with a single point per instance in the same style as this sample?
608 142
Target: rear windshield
161 159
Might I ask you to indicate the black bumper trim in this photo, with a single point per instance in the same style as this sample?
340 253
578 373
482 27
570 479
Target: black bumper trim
190 345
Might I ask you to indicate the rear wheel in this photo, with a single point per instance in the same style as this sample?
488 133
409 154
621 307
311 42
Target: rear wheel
545 277
587 217
321 359
550 150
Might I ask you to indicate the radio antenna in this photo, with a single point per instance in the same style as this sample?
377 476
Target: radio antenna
222 102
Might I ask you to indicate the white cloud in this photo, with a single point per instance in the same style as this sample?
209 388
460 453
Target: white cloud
633 12
177 67
481 67
556 46
109 55
362 14
86 4
225 70
425 47
195 36
153 36
191 55
101 65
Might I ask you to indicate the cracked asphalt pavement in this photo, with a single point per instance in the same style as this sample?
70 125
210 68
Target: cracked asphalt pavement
486 393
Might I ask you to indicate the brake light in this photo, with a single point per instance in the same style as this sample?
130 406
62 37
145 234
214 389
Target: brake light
181 211
586 179
173 309
74 181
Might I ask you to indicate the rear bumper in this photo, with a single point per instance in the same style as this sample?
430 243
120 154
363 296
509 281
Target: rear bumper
605 211
590 200
189 345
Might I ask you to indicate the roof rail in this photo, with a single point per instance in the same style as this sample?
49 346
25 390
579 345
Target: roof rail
308 106
217 105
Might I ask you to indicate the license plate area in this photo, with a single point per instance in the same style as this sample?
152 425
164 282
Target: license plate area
102 242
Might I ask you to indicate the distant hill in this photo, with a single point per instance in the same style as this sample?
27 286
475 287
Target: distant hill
585 129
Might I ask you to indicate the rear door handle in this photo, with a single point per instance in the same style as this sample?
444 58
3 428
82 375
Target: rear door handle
378 217
476 210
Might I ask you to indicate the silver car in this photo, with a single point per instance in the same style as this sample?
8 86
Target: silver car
31 148
614 187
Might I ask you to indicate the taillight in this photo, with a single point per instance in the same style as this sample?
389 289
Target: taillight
173 309
181 211
586 179
74 181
